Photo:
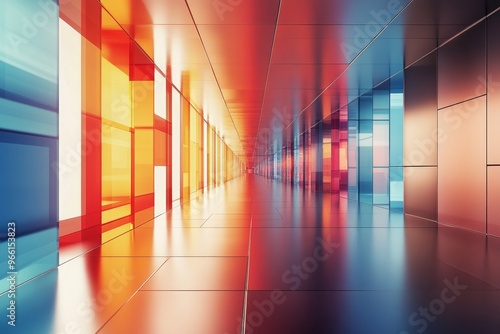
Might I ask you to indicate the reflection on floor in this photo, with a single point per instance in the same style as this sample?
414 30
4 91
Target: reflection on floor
278 259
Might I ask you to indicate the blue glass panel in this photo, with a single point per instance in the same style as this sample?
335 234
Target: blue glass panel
31 298
20 117
396 129
29 198
365 161
396 188
381 104
29 51
366 107
381 186
353 110
352 181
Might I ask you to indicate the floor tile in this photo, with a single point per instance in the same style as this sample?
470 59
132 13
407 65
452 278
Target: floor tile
200 273
178 242
350 259
79 296
186 312
163 222
361 312
228 220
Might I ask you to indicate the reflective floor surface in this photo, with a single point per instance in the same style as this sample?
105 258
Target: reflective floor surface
259 256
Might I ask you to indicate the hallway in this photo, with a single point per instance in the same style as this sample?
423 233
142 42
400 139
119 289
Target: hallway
287 259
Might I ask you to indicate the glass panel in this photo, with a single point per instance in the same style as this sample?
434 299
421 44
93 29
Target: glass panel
29 180
116 169
144 162
460 63
381 186
396 129
29 171
366 161
462 200
366 107
420 192
381 143
396 188
115 95
381 104
176 145
327 155
420 113
493 89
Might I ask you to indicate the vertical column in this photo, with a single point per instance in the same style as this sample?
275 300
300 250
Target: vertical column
327 154
118 137
146 107
70 133
493 125
335 152
421 138
365 158
185 138
462 127
343 150
396 118
176 145
381 130
352 156
91 121
160 144
169 144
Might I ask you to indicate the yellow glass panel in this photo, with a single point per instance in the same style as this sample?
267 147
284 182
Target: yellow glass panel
116 213
143 103
115 95
116 165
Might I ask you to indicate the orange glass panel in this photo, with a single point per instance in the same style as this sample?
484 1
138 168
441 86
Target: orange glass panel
420 113
144 168
91 80
160 148
420 192
461 165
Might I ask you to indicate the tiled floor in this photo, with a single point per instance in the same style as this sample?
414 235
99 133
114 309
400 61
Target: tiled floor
278 259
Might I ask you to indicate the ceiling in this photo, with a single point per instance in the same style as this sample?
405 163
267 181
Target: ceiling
263 71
